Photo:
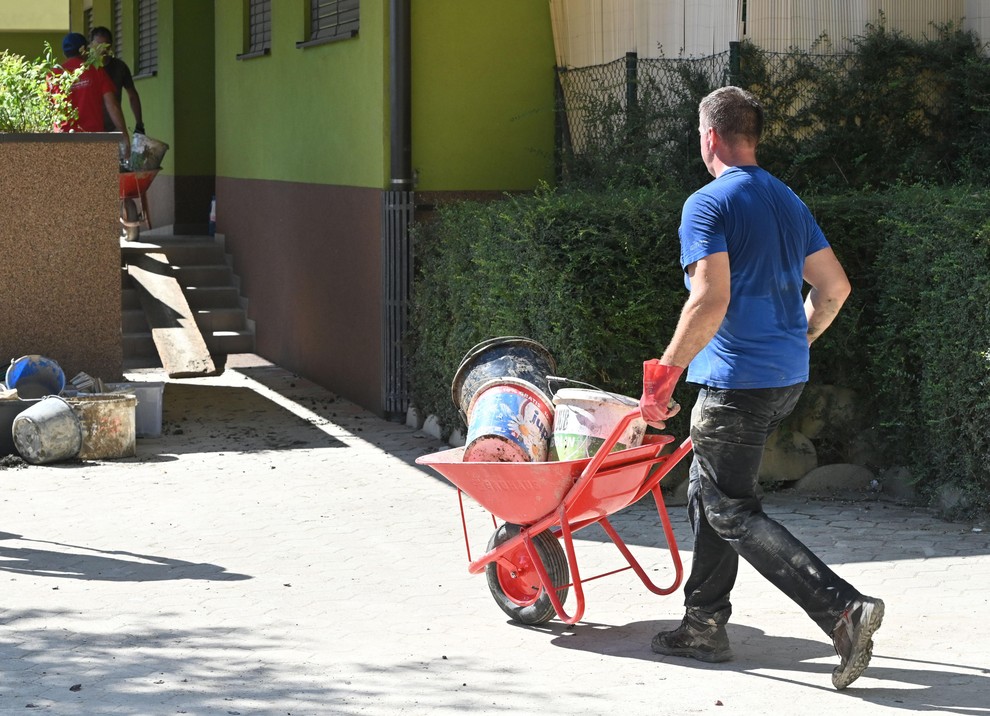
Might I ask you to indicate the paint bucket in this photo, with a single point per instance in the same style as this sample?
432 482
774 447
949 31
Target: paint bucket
47 431
146 153
509 421
504 357
107 421
10 408
584 418
35 376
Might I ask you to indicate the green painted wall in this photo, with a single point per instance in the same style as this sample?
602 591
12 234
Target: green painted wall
32 44
482 76
315 115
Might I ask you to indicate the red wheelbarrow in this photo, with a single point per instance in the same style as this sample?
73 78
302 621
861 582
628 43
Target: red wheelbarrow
543 504
134 201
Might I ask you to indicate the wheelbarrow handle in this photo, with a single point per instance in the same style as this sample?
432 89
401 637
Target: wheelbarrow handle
610 442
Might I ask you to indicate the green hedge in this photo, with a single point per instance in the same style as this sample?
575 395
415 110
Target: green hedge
595 278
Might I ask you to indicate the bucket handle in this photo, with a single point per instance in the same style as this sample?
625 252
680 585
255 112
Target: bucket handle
560 379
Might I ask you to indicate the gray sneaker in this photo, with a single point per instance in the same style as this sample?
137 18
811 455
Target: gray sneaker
853 639
704 641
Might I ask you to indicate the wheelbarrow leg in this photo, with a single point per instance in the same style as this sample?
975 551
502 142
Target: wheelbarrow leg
565 530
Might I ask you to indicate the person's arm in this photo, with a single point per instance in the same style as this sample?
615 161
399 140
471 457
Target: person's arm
829 290
113 109
135 100
703 311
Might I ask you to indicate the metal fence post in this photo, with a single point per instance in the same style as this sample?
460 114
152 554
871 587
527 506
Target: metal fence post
734 64
632 83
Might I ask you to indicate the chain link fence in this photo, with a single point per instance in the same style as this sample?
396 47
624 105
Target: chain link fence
837 118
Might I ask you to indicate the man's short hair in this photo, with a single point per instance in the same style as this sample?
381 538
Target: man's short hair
101 31
733 113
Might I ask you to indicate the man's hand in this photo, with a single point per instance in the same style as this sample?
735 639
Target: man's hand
659 380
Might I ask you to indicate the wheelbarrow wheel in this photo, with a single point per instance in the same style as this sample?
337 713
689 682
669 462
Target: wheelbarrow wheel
130 219
515 583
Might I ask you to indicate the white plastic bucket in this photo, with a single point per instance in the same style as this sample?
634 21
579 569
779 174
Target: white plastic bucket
509 420
48 431
584 418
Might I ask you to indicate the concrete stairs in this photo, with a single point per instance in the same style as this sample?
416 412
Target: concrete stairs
211 288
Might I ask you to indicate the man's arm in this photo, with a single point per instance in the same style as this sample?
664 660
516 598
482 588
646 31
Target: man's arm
704 310
135 100
113 109
829 290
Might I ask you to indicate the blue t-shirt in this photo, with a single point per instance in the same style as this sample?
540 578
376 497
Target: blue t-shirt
768 232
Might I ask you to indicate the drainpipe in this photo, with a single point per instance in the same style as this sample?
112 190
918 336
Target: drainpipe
400 73
398 208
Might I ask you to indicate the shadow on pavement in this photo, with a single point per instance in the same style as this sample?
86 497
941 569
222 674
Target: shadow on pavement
942 688
76 562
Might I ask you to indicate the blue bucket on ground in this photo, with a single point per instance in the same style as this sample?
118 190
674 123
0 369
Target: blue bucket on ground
35 376
509 420
497 358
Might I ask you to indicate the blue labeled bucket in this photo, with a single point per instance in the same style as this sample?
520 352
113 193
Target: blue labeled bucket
509 420
35 376
512 357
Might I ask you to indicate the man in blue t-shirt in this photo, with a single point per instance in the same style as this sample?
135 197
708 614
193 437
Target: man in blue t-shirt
748 245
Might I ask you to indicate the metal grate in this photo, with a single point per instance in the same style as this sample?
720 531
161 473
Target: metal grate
147 37
332 19
397 216
259 26
118 26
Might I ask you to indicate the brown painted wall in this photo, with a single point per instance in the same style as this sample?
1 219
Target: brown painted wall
309 259
59 251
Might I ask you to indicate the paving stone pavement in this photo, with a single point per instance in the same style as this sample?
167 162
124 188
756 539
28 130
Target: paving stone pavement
277 551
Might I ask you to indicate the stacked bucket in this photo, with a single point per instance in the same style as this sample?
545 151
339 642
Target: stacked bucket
502 390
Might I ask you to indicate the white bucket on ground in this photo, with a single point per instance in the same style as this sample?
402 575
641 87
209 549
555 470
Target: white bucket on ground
47 431
584 418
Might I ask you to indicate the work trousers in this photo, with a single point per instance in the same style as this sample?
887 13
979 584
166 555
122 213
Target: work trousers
729 430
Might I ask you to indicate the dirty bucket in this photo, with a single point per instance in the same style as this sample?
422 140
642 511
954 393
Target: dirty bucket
47 431
10 408
146 153
509 420
497 358
35 376
584 418
108 425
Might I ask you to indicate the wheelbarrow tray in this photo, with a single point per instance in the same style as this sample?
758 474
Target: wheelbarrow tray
524 492
133 185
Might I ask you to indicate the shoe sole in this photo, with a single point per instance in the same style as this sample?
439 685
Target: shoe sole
862 649
716 657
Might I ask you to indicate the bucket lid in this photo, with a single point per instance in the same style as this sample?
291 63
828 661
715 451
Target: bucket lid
585 395
469 357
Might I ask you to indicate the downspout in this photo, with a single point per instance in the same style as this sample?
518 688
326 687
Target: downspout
400 83
398 207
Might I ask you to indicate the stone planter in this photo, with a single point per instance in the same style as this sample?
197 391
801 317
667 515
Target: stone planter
60 252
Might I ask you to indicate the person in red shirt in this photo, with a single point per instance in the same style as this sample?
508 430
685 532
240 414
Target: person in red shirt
93 92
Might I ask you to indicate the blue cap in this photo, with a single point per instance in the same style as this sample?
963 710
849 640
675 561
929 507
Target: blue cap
72 43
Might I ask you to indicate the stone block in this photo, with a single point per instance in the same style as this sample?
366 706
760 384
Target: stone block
836 479
431 426
414 419
456 438
897 483
789 455
824 405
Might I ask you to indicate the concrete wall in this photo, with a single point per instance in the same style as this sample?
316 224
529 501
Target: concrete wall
59 251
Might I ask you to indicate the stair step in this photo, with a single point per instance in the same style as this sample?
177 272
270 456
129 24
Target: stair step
227 342
130 299
212 297
139 344
183 252
133 320
220 319
204 275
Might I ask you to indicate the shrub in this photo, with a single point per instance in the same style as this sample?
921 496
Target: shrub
26 102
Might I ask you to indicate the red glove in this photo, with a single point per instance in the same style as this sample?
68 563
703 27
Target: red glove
657 405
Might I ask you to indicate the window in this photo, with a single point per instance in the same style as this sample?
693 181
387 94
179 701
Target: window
259 28
118 27
147 38
87 21
331 20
